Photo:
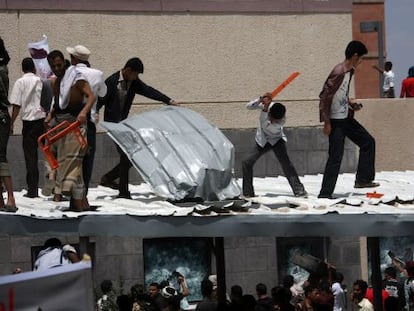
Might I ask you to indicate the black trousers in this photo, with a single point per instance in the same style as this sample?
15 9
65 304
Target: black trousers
31 131
4 134
352 129
121 171
280 151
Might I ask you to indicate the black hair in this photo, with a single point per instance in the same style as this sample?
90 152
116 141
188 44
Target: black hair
261 289
55 54
124 303
355 47
248 302
236 291
362 285
4 56
288 281
411 72
388 66
53 242
206 288
391 271
28 65
281 295
135 64
106 286
174 302
277 111
338 276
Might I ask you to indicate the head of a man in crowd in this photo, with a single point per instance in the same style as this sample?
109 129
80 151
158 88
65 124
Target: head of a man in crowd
56 62
132 69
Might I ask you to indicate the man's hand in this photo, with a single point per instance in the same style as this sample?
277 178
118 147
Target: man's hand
82 118
327 128
355 106
47 120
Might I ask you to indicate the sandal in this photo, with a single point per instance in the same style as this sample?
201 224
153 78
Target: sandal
8 208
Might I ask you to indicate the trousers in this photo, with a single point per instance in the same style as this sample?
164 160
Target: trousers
121 171
352 129
31 131
281 154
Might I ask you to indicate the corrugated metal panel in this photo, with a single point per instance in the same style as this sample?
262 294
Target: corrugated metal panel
179 153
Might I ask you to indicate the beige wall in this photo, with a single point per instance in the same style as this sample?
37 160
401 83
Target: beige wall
390 121
196 57
215 63
212 62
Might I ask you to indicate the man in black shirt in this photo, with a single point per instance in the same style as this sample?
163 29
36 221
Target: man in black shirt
121 89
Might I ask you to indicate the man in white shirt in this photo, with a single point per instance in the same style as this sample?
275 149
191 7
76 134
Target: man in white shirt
25 98
79 56
389 77
270 136
338 292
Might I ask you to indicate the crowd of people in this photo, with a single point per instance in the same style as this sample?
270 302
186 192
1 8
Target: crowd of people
315 294
74 92
323 290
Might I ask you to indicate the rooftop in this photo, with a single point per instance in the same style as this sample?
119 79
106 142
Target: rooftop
275 211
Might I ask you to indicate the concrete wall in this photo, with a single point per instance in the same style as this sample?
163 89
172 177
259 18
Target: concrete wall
194 57
386 119
307 147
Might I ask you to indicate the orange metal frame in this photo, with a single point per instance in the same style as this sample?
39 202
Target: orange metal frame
46 140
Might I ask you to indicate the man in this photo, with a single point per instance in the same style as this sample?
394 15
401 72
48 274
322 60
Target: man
70 90
359 291
122 87
156 299
407 85
79 56
264 302
208 303
409 286
311 299
389 77
338 292
10 205
108 299
393 287
270 137
25 97
55 254
336 112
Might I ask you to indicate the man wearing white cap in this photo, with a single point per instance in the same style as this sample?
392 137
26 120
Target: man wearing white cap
79 57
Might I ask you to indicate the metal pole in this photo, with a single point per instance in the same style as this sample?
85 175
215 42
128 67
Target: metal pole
220 269
380 56
374 251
